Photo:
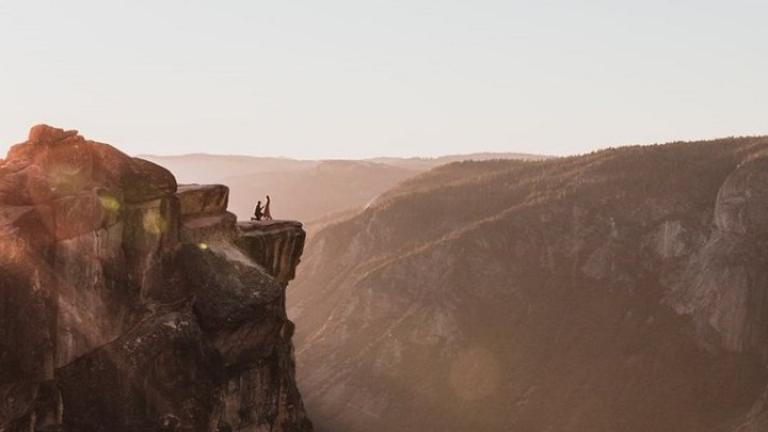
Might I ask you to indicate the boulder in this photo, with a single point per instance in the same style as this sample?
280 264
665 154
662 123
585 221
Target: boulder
66 163
218 226
237 302
198 200
160 370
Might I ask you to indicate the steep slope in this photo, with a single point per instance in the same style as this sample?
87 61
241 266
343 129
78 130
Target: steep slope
129 303
620 290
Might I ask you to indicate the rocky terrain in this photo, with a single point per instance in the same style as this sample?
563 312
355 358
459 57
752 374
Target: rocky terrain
130 303
623 290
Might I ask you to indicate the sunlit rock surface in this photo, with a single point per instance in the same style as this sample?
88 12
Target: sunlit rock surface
129 303
276 245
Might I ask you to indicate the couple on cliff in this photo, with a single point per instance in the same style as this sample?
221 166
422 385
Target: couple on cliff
260 213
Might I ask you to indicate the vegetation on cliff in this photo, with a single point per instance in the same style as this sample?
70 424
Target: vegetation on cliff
619 290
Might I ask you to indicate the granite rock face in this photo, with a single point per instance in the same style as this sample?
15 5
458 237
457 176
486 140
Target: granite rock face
277 245
128 302
723 285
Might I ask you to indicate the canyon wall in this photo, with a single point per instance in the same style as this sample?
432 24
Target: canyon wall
621 290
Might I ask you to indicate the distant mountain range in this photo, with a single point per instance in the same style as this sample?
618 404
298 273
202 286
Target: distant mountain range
306 190
623 290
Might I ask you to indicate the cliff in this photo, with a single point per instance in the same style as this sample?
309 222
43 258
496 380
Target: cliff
622 290
128 302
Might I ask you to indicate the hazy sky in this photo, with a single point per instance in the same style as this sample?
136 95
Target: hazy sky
354 78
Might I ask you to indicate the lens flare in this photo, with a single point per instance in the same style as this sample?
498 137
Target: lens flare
65 177
109 203
155 223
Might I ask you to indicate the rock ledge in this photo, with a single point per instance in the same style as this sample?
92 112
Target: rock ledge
131 303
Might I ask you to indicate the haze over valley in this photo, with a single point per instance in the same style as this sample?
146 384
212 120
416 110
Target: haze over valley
482 292
312 191
619 290
383 216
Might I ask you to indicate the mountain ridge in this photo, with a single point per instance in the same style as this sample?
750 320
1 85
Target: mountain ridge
492 295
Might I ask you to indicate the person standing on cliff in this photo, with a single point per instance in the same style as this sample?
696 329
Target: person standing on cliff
267 209
257 212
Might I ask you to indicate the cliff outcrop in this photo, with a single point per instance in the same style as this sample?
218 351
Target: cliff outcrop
128 302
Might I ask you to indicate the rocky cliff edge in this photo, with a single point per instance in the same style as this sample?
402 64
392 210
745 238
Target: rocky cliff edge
131 303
